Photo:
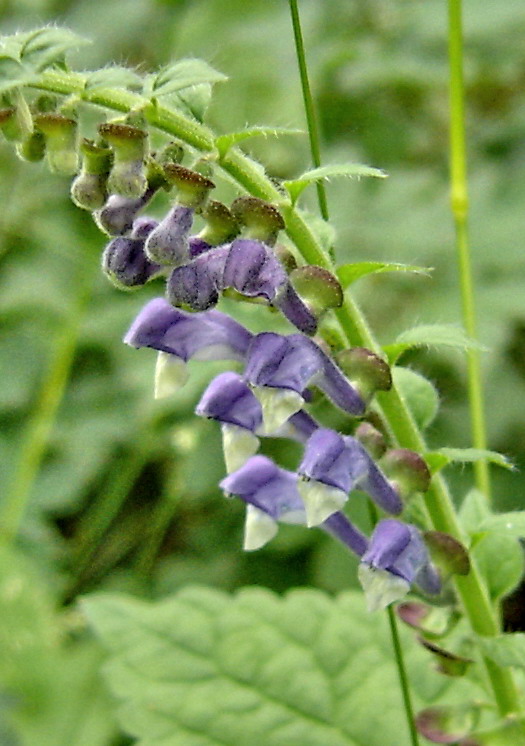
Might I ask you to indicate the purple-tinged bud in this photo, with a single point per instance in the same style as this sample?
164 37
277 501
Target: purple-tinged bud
168 244
130 148
447 553
252 270
367 371
407 471
448 663
430 621
221 227
260 220
33 148
318 289
117 216
124 261
191 188
447 724
88 189
285 257
371 439
395 559
60 133
196 286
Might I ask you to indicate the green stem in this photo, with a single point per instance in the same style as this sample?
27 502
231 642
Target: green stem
460 205
43 417
311 120
442 516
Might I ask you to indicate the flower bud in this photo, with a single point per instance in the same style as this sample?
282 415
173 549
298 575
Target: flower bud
221 227
285 257
60 133
318 289
16 121
260 220
192 188
447 553
173 152
124 261
88 189
366 370
372 439
168 244
129 146
117 216
406 471
33 148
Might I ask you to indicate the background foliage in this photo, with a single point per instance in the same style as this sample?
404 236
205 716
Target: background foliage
120 500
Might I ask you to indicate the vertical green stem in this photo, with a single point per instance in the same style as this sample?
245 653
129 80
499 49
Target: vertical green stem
313 132
323 206
460 204
37 434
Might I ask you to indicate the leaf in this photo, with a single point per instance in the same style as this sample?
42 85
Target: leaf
13 74
430 335
295 187
113 77
182 74
349 273
420 395
48 45
474 509
205 669
436 460
225 142
500 561
508 524
505 650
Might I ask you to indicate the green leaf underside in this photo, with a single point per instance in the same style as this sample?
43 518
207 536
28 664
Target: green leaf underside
113 77
505 650
419 394
430 335
295 187
183 74
436 460
510 524
205 669
349 273
225 142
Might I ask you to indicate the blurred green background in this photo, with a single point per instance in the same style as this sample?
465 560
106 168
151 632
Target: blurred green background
120 498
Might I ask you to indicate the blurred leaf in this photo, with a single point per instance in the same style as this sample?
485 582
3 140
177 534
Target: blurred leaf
202 667
295 187
349 273
45 46
420 395
13 74
113 77
430 335
181 74
225 142
474 509
505 650
508 524
436 460
503 575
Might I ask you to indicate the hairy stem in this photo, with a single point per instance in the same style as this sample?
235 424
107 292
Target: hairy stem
442 515
459 204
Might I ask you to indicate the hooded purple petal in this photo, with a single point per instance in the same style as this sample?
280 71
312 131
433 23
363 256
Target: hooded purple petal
329 458
197 246
296 311
117 216
286 362
124 261
197 285
253 270
228 399
208 336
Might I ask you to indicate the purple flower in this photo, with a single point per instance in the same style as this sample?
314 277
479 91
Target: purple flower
396 558
272 496
181 336
253 270
332 466
198 246
124 261
197 285
169 242
117 216
279 368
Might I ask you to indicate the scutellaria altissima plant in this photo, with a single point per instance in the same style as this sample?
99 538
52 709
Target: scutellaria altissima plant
262 248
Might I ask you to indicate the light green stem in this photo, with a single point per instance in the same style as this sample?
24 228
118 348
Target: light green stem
460 204
439 505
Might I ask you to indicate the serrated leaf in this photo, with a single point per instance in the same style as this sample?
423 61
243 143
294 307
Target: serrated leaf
183 74
436 460
349 273
295 187
505 650
45 46
113 77
204 668
430 335
509 524
225 142
193 101
418 392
